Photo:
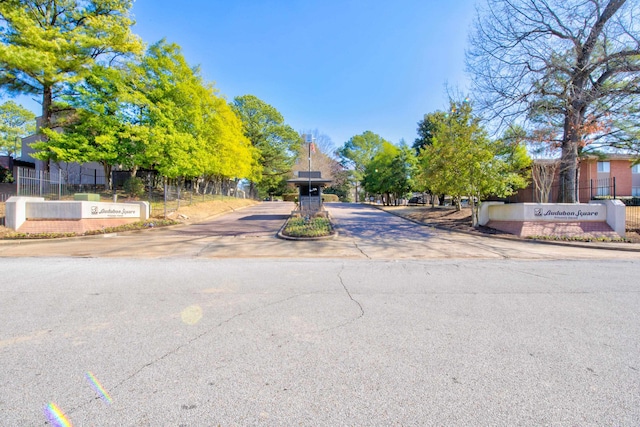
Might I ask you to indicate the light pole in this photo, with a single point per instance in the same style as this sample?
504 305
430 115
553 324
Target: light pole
309 140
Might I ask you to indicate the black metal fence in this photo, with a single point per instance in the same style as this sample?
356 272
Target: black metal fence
590 190
633 214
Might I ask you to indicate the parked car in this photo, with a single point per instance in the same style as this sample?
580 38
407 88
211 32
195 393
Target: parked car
416 200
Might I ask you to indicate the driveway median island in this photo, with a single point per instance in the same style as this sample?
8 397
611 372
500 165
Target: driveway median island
306 228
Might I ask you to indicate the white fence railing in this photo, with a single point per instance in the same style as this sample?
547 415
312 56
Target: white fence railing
50 185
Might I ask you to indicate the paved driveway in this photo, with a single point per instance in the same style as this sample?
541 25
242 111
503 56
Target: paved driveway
263 220
364 233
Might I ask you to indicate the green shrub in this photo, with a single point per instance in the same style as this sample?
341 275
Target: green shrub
5 175
134 187
303 227
290 197
330 197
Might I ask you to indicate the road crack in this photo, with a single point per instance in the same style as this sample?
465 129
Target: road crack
361 251
361 309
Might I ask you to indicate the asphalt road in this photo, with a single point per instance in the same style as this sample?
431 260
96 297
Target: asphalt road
187 342
389 324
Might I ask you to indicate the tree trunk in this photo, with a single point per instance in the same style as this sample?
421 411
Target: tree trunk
474 210
107 175
45 120
569 158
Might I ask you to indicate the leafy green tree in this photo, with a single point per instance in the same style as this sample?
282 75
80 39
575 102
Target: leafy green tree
426 129
192 132
390 172
46 46
463 161
276 142
96 127
16 122
230 154
340 185
173 90
158 114
358 152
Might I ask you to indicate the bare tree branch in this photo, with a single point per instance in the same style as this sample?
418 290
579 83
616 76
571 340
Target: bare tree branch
574 62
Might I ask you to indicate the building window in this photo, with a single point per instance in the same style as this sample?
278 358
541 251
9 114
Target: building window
603 167
635 168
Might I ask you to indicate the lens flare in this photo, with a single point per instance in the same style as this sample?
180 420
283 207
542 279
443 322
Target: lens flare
98 387
191 315
55 416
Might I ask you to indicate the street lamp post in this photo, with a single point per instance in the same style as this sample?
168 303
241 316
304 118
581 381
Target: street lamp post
309 140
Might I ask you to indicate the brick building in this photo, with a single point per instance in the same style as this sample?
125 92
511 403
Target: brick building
613 176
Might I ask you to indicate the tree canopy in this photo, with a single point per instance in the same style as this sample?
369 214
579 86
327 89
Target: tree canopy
426 129
156 113
277 143
567 64
463 161
358 152
48 45
390 172
121 107
16 122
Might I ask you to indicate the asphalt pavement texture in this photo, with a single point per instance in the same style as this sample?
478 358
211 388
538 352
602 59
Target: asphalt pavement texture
381 326
320 342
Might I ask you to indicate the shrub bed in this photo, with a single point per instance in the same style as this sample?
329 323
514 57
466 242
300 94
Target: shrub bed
140 225
307 227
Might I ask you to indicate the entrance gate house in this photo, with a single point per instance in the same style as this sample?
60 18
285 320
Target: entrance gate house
310 185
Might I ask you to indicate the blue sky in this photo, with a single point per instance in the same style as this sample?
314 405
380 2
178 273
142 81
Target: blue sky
339 66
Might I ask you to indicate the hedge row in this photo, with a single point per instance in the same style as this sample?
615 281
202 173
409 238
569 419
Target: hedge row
293 197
